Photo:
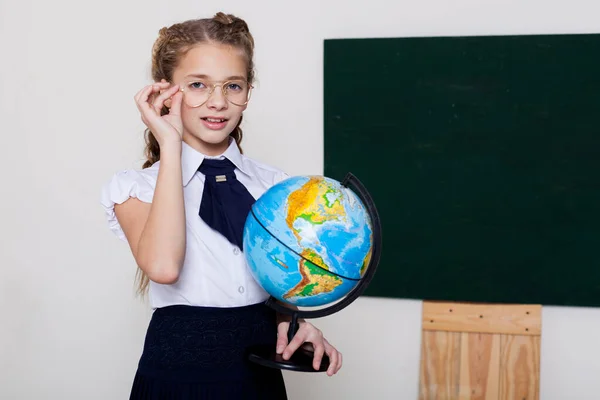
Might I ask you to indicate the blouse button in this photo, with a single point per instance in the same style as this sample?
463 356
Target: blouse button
236 251
241 289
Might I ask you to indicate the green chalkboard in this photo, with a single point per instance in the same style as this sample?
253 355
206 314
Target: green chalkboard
483 157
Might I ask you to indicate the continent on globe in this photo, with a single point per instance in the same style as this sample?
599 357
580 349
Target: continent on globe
314 280
366 261
316 202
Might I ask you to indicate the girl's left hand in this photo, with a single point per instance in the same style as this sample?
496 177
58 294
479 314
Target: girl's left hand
308 335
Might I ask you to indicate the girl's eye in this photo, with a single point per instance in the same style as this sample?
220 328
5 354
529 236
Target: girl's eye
197 85
234 87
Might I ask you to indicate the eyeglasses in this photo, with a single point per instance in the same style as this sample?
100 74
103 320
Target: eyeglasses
196 93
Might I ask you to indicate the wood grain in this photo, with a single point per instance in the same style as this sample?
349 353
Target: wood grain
519 367
516 319
479 366
441 367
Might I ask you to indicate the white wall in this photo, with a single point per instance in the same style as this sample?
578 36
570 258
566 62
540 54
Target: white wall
70 327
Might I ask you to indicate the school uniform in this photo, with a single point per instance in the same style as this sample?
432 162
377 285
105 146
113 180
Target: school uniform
202 324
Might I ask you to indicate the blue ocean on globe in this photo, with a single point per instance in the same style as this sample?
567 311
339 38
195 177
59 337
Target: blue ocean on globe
308 240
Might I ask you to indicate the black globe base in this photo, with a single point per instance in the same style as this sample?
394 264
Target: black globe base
301 360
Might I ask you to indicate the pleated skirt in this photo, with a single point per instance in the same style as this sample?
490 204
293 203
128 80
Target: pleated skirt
199 353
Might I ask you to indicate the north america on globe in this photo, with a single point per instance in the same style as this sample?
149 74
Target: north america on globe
315 203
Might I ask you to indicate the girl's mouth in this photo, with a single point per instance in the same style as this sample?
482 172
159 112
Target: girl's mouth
214 123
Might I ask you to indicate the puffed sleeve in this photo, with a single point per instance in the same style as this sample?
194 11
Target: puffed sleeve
122 186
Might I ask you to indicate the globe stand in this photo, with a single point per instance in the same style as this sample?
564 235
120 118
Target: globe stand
302 359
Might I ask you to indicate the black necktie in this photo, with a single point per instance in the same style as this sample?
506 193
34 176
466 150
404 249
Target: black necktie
225 202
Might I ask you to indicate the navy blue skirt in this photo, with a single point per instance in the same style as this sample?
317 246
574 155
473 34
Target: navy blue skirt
200 353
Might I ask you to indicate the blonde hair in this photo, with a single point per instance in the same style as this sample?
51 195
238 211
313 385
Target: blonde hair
171 46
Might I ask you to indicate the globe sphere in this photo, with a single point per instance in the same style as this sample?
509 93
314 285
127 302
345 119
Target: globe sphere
308 240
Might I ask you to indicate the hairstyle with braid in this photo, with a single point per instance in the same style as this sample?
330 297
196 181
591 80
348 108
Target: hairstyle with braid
172 45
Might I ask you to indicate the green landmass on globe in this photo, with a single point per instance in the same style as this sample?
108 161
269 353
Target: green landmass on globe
314 279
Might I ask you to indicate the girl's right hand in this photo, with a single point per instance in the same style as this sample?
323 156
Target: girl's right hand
166 128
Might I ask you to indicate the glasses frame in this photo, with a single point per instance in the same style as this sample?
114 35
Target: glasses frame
223 90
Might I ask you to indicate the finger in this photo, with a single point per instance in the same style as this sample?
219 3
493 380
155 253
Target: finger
142 100
176 110
318 355
162 85
334 359
147 98
296 342
282 330
153 94
139 94
340 362
329 349
160 99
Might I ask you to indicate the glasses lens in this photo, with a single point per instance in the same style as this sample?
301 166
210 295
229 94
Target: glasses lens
195 93
237 92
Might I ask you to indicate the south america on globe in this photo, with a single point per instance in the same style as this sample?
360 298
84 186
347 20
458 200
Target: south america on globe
308 240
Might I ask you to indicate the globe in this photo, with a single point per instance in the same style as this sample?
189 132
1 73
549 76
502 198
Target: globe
308 240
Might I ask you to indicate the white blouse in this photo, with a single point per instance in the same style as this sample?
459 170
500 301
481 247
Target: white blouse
214 272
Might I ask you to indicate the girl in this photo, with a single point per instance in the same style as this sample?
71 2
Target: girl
183 215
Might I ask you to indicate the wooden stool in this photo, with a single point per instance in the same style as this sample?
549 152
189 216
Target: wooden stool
480 351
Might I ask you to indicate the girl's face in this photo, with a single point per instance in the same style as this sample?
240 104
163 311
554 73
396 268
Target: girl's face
207 127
